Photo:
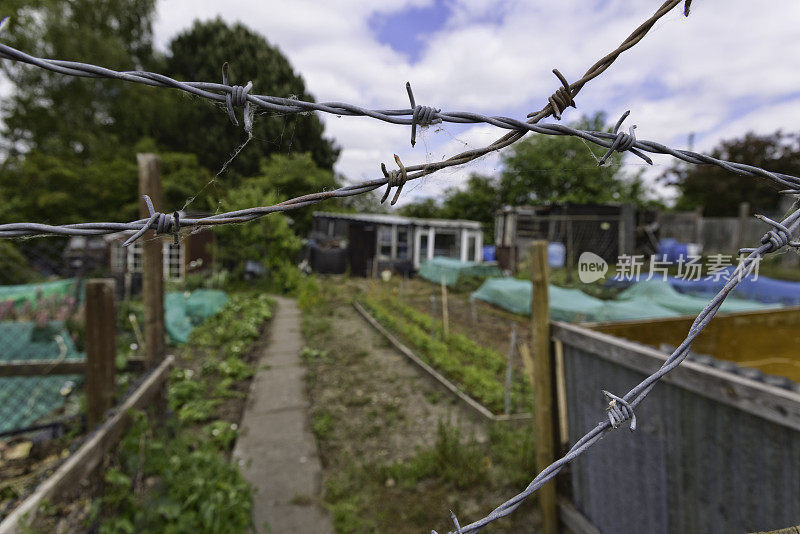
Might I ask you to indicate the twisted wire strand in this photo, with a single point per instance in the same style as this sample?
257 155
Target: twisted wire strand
563 97
772 241
595 70
205 90
391 179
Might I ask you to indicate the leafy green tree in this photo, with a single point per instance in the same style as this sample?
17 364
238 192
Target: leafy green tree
545 168
54 190
14 268
479 201
427 208
79 118
204 129
719 192
269 240
289 176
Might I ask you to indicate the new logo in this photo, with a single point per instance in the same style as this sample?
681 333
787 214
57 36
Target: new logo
591 267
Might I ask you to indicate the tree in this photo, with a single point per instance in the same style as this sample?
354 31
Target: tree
543 169
478 202
268 240
289 176
43 188
719 192
78 118
204 129
427 208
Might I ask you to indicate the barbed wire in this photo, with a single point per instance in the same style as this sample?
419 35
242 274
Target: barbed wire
621 409
420 115
171 224
239 96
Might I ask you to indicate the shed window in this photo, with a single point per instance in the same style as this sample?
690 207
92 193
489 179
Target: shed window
471 247
423 245
445 244
385 241
402 243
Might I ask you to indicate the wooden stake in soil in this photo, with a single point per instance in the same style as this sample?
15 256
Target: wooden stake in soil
101 349
542 382
445 314
511 346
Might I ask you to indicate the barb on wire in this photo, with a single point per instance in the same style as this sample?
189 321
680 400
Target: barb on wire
422 116
772 241
395 178
160 222
237 97
623 141
561 99
619 410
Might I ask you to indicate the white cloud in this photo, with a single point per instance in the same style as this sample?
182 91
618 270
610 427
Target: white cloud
728 68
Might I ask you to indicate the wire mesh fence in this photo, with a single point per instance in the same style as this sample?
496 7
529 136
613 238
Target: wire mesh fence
44 411
41 327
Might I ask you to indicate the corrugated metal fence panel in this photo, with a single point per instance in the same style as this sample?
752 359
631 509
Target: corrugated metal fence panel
693 464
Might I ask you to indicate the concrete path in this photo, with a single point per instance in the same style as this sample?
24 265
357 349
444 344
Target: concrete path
276 449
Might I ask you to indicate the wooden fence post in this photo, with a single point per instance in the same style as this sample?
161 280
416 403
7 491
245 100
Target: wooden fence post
542 380
152 263
100 349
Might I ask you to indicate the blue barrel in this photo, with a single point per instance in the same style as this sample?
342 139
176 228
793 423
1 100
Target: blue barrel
556 252
666 248
488 253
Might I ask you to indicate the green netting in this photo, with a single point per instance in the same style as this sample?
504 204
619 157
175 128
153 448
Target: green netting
29 292
452 270
184 311
662 293
24 400
645 300
515 296
616 310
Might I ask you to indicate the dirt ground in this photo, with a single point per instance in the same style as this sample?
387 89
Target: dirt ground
372 411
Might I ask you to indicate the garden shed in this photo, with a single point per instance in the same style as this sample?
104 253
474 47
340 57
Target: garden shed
380 241
608 230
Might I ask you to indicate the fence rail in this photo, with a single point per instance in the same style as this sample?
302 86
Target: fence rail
698 426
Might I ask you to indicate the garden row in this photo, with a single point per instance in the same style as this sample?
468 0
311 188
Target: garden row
177 476
478 370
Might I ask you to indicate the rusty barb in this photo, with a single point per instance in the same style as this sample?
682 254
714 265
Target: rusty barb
561 99
394 178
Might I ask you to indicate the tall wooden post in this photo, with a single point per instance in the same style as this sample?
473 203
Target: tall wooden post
101 349
744 214
542 380
152 263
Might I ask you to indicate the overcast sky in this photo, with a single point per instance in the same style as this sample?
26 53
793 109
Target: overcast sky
730 67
